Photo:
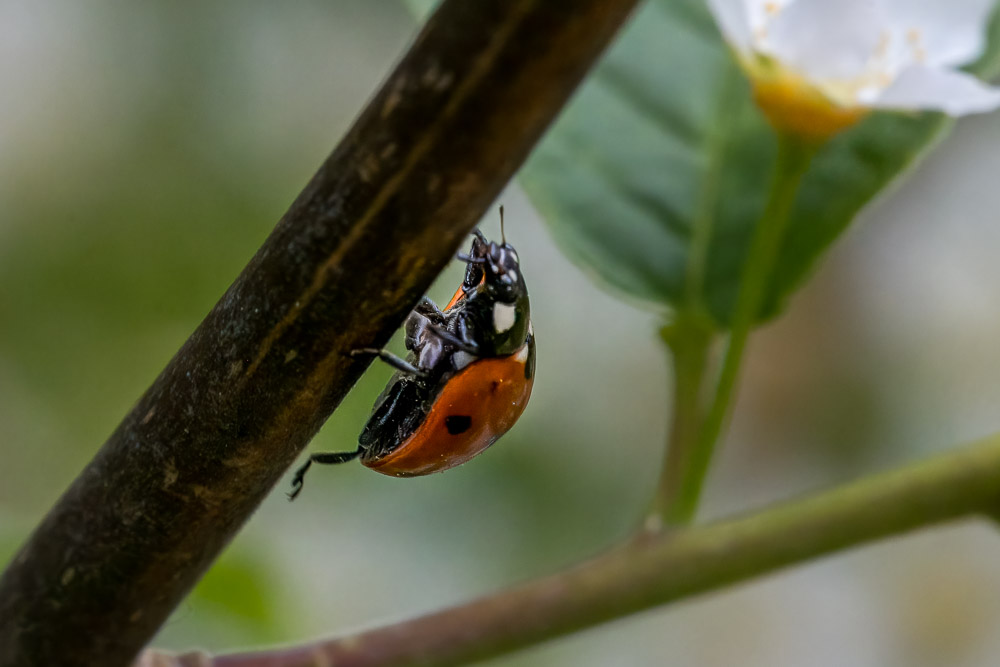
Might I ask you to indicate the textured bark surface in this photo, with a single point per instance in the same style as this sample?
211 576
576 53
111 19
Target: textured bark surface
247 391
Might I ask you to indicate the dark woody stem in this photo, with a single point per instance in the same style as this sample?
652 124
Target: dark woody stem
357 249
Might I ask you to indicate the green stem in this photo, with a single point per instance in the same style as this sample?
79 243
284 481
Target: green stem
656 570
691 333
792 161
688 343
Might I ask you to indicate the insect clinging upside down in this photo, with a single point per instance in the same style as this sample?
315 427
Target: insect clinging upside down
465 381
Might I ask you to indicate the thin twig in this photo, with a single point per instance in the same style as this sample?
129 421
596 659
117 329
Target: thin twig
247 391
657 569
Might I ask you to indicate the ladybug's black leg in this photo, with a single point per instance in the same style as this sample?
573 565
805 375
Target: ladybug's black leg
468 259
479 235
462 325
323 457
461 342
388 357
426 311
462 330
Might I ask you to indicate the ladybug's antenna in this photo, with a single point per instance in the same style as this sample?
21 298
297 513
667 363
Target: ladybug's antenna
503 237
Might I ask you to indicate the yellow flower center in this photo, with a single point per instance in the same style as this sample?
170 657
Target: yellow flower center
794 105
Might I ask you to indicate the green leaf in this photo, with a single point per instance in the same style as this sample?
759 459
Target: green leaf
664 134
420 8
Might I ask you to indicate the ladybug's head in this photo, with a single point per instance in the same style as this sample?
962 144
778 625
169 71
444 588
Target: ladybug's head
494 269
503 279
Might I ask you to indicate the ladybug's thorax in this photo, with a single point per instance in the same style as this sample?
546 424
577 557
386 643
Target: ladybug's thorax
499 304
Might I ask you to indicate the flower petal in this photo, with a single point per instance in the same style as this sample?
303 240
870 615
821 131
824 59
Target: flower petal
824 39
761 12
937 89
731 16
939 32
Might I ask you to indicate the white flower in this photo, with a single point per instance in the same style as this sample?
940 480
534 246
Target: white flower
860 54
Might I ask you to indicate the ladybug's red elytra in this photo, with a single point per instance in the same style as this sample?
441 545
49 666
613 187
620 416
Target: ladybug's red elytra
465 381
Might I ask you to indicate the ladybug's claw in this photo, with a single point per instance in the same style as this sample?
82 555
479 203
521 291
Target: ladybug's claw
323 457
298 480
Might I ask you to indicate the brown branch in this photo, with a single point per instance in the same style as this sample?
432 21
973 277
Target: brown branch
657 569
247 391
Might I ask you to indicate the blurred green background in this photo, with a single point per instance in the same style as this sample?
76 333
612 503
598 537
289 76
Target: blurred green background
146 151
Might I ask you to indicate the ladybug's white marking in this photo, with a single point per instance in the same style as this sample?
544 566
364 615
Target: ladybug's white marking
461 359
504 316
531 329
522 354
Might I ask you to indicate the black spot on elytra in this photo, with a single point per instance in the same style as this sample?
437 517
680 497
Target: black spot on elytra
457 423
494 386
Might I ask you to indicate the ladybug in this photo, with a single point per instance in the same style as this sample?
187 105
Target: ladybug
465 381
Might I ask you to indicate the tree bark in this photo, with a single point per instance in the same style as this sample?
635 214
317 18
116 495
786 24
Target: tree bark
343 267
